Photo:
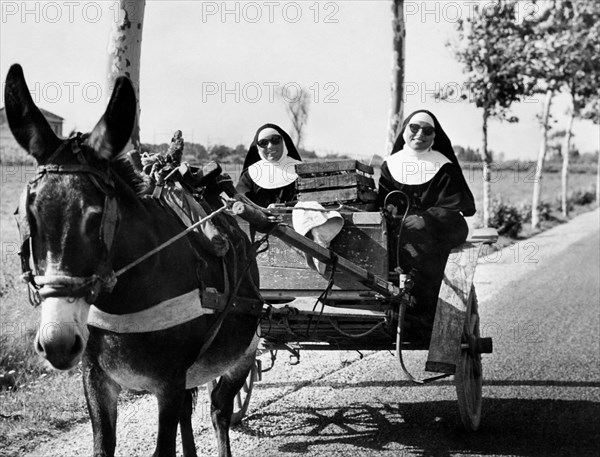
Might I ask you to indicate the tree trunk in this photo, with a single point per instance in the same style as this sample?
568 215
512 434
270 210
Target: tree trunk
598 183
537 181
397 84
124 52
565 165
487 160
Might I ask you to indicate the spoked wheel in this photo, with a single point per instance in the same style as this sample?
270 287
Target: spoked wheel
242 398
468 375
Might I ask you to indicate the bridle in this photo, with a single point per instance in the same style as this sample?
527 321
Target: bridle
104 278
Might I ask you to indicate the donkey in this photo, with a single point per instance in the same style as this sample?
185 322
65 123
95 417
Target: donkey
84 219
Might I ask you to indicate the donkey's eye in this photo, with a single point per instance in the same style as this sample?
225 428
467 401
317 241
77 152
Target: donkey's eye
91 220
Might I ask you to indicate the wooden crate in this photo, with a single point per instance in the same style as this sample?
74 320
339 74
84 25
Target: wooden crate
344 181
363 241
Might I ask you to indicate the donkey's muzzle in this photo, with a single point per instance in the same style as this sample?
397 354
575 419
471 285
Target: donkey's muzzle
63 333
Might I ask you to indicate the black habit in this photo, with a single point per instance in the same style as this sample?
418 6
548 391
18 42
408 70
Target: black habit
259 195
442 202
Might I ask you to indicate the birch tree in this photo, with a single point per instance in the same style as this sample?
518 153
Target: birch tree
124 52
566 58
491 46
397 84
544 119
591 111
576 42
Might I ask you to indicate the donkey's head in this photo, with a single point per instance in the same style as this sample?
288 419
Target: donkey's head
68 214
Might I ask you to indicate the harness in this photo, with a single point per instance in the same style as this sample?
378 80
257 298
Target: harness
104 278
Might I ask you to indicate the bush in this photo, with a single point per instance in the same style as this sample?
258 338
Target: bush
505 218
545 210
581 197
578 197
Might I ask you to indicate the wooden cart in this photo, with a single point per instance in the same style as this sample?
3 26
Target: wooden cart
358 304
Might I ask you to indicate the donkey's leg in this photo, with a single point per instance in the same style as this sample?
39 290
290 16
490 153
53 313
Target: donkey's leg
101 395
185 423
170 403
222 404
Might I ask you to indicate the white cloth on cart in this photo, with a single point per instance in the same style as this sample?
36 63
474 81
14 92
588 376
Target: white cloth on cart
310 219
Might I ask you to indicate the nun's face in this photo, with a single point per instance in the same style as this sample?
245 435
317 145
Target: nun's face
270 145
419 135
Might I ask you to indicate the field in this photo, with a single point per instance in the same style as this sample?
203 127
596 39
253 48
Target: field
46 402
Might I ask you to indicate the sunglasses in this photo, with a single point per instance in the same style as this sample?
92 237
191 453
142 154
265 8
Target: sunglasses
414 128
274 140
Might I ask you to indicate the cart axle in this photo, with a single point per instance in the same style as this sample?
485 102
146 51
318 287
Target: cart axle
478 345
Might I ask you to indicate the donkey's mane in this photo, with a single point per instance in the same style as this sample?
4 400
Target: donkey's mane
123 167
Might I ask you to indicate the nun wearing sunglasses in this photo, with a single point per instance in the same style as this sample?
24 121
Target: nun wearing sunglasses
425 196
269 174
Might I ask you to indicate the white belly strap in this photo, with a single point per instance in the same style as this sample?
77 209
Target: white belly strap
167 314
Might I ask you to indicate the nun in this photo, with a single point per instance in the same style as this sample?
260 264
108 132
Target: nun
426 198
269 174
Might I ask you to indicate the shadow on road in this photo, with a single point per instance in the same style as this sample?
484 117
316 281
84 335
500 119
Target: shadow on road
509 427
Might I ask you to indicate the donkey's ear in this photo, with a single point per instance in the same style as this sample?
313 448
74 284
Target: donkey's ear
113 130
27 123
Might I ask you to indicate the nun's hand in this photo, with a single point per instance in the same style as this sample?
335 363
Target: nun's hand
414 222
392 210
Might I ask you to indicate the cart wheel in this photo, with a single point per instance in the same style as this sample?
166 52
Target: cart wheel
468 375
242 398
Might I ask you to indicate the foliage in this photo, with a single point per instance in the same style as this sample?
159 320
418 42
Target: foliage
564 54
490 47
467 154
545 210
491 44
582 197
196 153
506 218
224 154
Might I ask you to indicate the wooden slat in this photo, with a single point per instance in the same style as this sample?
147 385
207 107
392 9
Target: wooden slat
334 181
347 194
483 235
444 347
330 196
330 167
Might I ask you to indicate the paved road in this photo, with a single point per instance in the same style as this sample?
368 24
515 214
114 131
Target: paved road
539 302
541 395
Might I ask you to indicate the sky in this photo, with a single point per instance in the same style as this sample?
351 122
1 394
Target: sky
212 70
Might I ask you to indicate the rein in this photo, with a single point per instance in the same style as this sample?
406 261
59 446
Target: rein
171 240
